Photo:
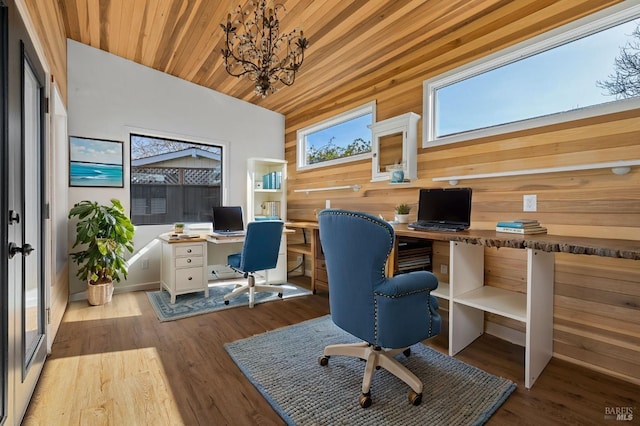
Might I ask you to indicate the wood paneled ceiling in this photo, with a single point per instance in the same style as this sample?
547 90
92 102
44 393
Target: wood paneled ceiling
363 41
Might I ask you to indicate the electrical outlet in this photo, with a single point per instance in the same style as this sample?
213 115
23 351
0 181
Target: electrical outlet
327 204
444 269
530 203
145 263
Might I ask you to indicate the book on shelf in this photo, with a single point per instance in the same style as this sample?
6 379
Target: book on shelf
518 224
530 230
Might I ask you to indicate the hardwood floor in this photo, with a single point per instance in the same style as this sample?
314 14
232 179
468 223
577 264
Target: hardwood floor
118 365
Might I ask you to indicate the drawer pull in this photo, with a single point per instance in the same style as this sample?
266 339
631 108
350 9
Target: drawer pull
188 260
188 250
190 278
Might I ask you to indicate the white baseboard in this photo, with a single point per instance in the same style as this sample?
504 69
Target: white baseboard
119 288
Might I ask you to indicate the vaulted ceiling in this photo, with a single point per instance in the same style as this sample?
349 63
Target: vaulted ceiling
368 41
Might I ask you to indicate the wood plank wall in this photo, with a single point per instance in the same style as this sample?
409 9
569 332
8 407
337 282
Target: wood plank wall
597 300
47 20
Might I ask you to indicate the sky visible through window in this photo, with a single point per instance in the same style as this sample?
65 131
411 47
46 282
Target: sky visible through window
342 134
557 80
148 146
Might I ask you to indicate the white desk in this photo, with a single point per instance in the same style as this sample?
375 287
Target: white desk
183 266
224 240
187 267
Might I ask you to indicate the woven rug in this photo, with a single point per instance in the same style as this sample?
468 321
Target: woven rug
283 365
188 305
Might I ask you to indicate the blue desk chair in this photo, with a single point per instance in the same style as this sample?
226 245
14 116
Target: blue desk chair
259 253
388 314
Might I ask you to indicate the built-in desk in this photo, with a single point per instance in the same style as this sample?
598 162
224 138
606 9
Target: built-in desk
307 244
469 298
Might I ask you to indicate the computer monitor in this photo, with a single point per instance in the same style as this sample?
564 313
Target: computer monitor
227 219
445 205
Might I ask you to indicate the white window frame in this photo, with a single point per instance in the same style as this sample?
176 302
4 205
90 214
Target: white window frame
591 24
301 134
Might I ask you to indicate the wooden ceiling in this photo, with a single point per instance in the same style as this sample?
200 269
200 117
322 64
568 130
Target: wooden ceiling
368 41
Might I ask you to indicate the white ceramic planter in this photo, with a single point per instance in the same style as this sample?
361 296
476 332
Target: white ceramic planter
402 218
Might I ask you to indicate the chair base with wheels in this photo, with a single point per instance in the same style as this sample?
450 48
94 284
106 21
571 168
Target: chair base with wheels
259 253
251 287
387 314
376 357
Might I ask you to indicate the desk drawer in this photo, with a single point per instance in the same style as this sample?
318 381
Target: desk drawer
189 278
190 250
186 262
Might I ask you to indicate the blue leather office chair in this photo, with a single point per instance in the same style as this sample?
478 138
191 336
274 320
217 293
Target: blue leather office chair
388 314
259 253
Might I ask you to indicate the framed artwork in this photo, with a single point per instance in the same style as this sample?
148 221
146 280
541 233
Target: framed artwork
95 162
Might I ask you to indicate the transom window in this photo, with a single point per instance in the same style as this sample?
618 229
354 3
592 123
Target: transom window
588 68
345 137
173 181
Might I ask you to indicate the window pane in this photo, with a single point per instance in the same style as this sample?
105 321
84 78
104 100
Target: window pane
342 140
569 77
174 181
337 139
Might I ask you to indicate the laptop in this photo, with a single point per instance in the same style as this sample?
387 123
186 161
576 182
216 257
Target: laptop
443 209
227 221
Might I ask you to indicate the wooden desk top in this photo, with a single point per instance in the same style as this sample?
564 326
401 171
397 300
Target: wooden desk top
194 238
626 249
308 225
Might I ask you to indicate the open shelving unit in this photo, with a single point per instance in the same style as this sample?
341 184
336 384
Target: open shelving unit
258 196
442 291
470 299
305 241
303 248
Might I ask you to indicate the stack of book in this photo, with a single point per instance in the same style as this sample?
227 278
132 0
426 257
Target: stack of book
272 180
521 226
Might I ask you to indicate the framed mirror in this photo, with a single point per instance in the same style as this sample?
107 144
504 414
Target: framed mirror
394 148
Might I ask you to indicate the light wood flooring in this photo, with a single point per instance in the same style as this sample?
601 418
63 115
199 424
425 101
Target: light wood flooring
118 365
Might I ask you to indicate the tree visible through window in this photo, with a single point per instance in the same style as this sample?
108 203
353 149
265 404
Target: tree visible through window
553 78
173 181
346 137
625 81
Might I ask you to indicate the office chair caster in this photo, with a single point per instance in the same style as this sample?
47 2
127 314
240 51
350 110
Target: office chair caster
407 352
280 295
415 398
226 302
365 400
323 361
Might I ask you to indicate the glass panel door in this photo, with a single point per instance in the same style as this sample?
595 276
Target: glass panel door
33 290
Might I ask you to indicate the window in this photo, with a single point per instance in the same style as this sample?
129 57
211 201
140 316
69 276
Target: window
345 137
173 181
587 68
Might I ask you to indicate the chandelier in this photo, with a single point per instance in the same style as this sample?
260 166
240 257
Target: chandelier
255 47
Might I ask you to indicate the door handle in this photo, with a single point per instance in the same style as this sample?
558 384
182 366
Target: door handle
14 217
15 249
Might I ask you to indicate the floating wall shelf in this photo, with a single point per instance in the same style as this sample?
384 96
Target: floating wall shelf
354 188
617 167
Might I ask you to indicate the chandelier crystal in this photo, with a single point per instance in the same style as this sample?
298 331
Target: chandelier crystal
256 49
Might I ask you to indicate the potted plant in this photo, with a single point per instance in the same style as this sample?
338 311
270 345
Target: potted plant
178 228
402 213
104 233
